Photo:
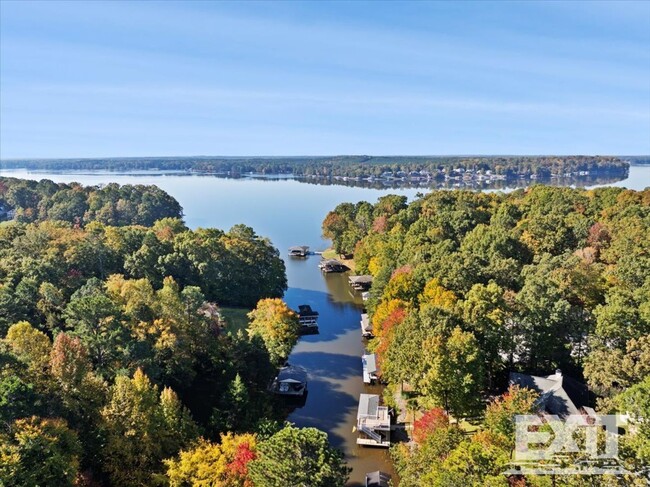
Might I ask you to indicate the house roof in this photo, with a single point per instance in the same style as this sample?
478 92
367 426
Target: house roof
292 374
368 406
377 479
559 394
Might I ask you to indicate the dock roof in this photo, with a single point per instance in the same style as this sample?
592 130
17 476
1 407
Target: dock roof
305 310
365 279
293 374
304 248
370 362
377 479
368 406
366 327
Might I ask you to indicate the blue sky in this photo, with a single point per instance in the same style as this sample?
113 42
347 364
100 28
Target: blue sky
86 79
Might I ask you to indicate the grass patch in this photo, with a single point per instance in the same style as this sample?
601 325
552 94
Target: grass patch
469 428
236 318
330 254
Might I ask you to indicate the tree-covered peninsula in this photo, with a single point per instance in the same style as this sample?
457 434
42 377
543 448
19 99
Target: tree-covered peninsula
117 366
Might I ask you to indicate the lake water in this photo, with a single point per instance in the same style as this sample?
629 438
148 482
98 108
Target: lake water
290 213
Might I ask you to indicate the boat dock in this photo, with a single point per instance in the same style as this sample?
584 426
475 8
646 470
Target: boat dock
360 283
308 319
332 265
373 422
369 363
290 381
366 327
299 251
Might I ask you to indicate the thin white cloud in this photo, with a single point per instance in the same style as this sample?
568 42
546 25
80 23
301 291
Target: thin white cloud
184 95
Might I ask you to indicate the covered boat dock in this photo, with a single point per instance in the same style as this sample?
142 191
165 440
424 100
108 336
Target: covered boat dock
290 381
332 265
308 319
377 479
373 422
369 362
299 251
366 327
360 283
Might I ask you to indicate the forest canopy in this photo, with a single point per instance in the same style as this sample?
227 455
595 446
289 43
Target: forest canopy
470 286
344 166
117 366
112 204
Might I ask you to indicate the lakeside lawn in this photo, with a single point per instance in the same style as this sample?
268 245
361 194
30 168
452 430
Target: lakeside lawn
236 318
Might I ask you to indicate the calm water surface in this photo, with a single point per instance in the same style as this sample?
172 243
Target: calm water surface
290 213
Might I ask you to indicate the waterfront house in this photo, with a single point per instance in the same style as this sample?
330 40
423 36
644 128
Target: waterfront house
558 394
299 251
366 327
360 283
290 381
370 370
373 422
377 479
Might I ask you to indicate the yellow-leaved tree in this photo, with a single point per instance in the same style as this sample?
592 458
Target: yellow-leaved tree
142 428
277 325
222 464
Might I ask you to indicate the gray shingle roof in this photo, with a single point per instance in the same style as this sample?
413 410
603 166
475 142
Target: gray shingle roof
558 394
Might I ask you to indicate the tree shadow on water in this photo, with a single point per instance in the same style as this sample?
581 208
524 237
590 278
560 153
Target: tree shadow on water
326 409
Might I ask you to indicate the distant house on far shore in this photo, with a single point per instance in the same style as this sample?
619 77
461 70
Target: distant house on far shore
558 394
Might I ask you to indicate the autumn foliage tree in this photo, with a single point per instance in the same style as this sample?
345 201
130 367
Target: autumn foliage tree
37 451
500 414
143 428
277 325
223 464
430 421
